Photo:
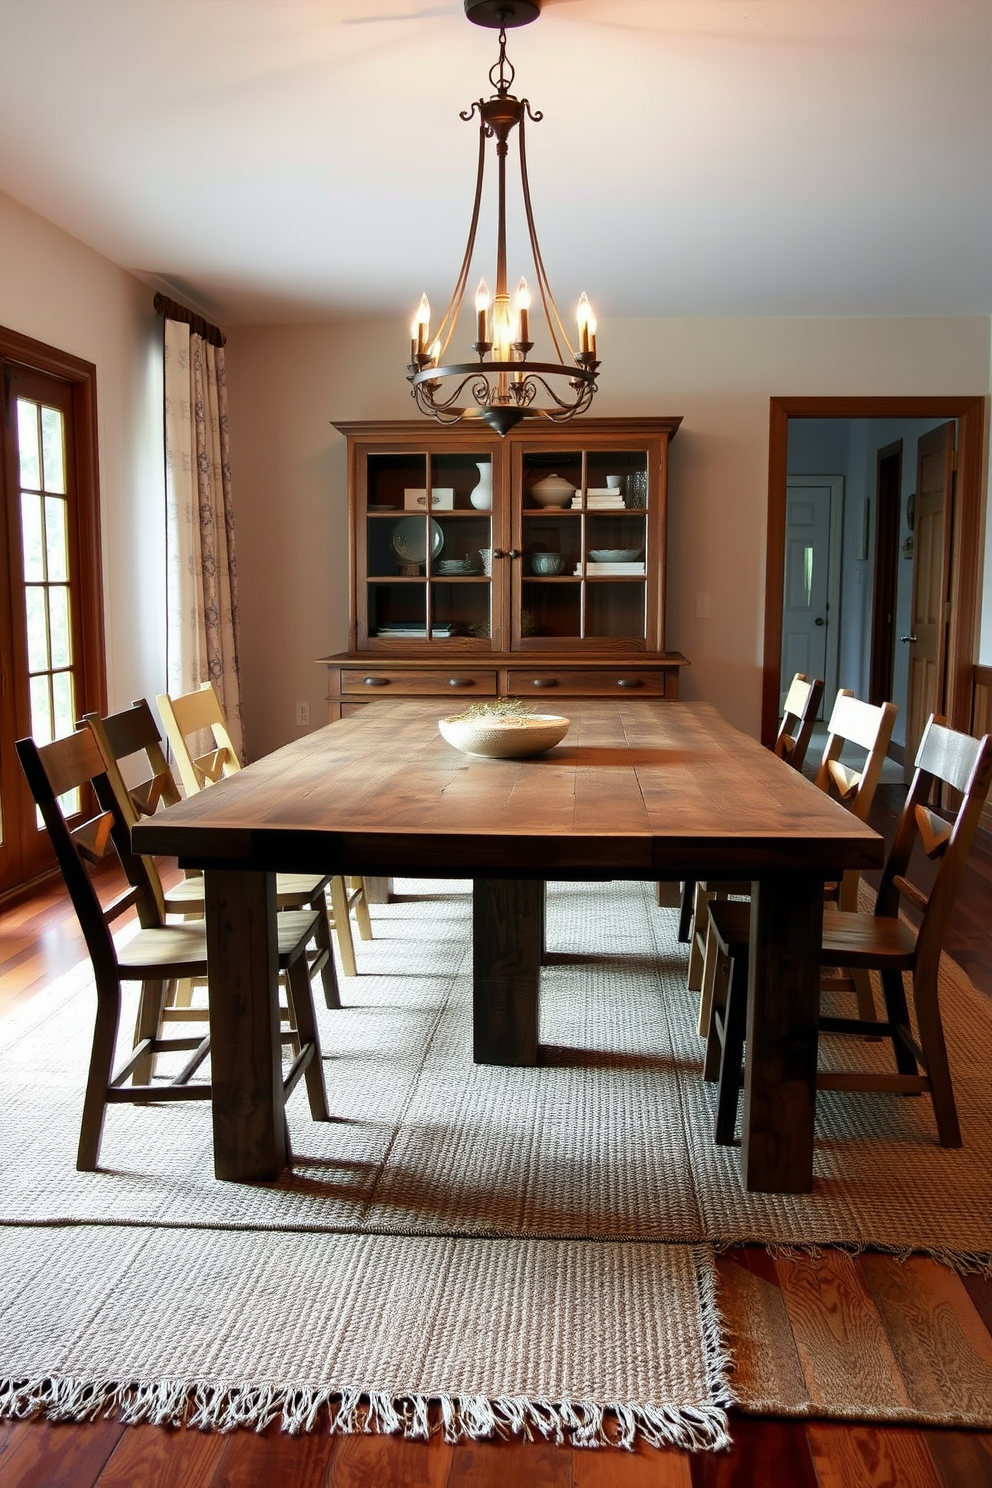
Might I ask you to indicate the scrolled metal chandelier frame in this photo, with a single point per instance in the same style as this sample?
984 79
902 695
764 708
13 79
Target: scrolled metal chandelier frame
502 386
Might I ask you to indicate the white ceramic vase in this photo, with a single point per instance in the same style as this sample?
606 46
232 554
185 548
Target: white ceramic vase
482 496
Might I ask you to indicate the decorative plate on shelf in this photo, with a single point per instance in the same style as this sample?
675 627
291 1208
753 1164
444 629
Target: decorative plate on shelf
615 555
409 540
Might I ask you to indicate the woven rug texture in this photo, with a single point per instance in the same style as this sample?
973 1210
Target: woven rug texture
531 1248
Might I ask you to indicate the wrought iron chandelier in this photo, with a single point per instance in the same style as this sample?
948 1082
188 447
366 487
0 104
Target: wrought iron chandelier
502 386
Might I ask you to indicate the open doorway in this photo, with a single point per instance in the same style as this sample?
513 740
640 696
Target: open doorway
871 445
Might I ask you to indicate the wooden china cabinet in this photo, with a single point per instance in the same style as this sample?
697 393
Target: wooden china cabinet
459 600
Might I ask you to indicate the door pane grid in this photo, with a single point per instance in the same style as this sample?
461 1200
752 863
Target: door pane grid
45 560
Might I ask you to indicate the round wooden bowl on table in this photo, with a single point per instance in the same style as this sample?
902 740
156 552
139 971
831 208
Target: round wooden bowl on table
493 738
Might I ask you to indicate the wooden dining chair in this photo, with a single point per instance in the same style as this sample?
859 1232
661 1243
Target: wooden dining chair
200 713
802 704
883 941
867 728
130 740
153 956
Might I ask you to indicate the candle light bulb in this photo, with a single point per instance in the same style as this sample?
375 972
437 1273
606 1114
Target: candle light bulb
482 303
523 310
435 352
587 324
421 322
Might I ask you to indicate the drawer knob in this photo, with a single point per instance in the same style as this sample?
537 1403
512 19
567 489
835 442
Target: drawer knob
544 682
629 682
376 681
460 682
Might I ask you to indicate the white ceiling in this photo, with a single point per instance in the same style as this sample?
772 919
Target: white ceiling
289 160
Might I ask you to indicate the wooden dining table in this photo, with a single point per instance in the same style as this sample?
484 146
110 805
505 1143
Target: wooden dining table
639 789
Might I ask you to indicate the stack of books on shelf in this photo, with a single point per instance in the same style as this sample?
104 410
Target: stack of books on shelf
599 498
413 630
596 570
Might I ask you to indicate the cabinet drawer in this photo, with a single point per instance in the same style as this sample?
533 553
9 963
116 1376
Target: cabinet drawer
376 683
588 683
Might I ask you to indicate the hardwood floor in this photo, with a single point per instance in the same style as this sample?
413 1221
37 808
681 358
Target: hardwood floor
39 940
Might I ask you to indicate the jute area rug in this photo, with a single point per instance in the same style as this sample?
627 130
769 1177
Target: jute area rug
527 1251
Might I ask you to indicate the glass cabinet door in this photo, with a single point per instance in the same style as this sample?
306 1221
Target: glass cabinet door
425 560
584 540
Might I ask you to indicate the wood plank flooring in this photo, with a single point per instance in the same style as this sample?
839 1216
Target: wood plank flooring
39 940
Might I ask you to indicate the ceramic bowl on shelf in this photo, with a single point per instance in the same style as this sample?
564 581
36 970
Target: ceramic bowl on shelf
504 738
546 563
615 555
553 490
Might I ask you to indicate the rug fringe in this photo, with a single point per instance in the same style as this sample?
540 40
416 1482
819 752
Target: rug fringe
222 1408
964 1262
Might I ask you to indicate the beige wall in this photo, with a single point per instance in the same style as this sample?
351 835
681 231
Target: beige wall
288 383
56 290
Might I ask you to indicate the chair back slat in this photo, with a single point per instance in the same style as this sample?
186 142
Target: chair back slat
93 838
802 703
192 714
934 830
948 755
868 726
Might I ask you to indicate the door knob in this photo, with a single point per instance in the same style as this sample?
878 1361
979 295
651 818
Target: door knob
819 620
909 638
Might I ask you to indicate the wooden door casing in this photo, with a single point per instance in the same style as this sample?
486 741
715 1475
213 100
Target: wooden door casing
927 637
37 371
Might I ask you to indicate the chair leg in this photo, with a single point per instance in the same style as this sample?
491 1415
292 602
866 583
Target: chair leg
108 1013
935 1054
342 926
723 971
694 975
865 996
362 917
897 1013
685 913
732 1054
715 973
301 1001
322 936
148 1026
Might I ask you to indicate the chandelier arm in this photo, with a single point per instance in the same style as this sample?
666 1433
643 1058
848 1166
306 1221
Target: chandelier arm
450 318
583 389
543 283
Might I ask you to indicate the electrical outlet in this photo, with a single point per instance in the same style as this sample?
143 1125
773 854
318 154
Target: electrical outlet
702 606
302 714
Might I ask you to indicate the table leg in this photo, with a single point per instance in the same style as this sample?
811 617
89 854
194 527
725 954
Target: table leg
378 890
507 933
245 1052
783 1010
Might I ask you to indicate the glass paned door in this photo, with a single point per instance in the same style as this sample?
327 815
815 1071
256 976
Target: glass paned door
585 534
40 623
425 549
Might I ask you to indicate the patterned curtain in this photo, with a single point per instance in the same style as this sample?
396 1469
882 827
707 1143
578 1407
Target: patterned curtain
202 598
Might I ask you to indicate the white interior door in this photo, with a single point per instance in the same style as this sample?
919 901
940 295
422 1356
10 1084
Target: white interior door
810 609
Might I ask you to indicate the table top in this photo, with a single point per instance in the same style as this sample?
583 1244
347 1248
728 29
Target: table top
639 788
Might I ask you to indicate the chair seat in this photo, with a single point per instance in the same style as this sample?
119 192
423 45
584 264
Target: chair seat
292 890
181 950
865 940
